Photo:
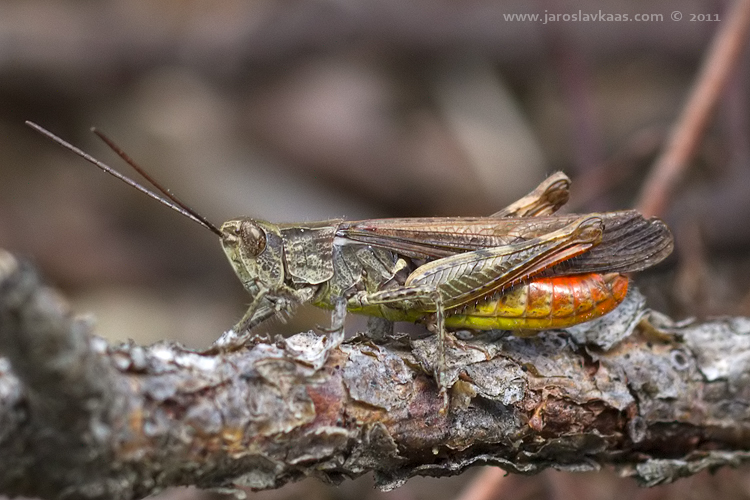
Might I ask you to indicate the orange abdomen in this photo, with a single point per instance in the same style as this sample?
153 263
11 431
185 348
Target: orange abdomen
545 303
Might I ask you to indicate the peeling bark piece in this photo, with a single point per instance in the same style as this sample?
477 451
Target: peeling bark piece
378 378
608 330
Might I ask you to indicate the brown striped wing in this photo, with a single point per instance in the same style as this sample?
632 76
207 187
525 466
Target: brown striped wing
629 243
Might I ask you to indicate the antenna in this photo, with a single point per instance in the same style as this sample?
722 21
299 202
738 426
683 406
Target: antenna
171 200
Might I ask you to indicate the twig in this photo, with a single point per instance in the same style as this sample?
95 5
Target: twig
717 68
486 485
656 400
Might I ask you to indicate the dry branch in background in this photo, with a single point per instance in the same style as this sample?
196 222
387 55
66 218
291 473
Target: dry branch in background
687 132
82 419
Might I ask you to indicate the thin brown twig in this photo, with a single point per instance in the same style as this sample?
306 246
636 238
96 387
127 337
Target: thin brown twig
715 72
486 485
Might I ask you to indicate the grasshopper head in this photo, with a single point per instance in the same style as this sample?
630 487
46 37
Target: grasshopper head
255 250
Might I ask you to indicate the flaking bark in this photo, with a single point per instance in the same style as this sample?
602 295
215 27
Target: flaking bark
83 419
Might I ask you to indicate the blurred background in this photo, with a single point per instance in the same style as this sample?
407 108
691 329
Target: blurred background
298 111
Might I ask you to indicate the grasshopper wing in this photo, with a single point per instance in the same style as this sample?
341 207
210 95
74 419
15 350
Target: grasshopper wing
629 241
464 278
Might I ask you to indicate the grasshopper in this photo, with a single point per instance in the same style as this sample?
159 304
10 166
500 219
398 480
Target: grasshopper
524 268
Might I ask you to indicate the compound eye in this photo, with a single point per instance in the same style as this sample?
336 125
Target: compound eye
253 239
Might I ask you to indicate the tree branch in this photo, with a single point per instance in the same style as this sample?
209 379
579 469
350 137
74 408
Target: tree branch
687 132
655 399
